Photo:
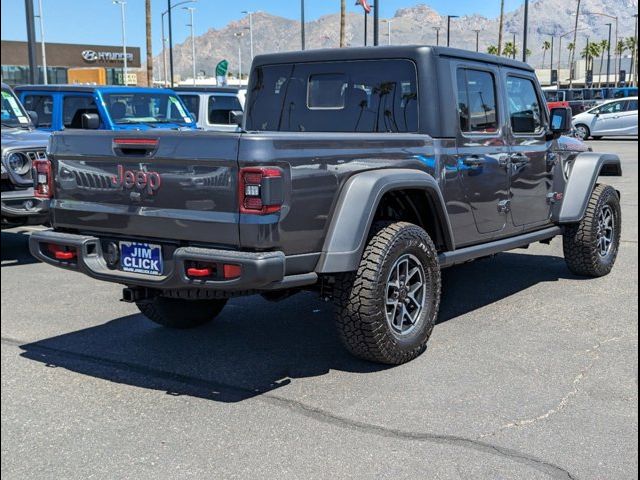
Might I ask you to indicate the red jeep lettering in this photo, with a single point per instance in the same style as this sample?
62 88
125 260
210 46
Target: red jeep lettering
146 181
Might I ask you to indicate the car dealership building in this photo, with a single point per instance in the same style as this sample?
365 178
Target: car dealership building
63 56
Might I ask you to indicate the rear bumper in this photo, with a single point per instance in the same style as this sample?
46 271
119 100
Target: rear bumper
259 271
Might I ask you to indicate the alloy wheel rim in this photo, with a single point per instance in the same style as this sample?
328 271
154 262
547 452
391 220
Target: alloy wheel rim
606 231
405 295
582 132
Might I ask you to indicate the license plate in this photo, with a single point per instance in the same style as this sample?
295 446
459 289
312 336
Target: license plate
141 258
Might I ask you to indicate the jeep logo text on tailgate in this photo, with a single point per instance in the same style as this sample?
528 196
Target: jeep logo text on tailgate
128 179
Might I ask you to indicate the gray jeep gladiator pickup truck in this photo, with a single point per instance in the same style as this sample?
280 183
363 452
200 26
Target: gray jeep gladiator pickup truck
21 145
360 173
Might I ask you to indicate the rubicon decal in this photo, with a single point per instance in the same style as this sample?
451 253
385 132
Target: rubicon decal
139 179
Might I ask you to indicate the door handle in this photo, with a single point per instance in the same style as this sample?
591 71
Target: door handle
473 161
520 159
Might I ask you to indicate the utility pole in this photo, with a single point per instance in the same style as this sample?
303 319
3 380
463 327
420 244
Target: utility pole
302 32
149 47
125 72
239 36
526 29
193 43
573 52
449 17
634 53
45 76
551 64
246 12
31 41
388 31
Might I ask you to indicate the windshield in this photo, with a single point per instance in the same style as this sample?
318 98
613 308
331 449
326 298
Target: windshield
13 115
147 108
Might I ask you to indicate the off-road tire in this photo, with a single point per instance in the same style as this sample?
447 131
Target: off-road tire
580 240
586 129
360 297
180 313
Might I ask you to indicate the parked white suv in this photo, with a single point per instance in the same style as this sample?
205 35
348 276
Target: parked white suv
214 108
613 118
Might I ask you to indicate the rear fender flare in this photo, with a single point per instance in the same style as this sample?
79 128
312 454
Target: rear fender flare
587 167
354 212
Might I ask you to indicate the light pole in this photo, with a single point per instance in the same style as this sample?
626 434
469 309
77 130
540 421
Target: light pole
609 54
449 17
123 4
42 44
193 42
168 11
575 30
388 22
526 29
246 12
477 40
634 54
239 36
302 32
437 29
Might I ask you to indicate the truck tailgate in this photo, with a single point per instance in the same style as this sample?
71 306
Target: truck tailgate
164 184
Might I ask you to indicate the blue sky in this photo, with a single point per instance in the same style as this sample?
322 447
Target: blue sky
98 21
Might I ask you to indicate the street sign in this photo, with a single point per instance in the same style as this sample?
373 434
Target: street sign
622 77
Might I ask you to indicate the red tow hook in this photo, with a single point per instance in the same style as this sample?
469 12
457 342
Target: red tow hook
60 253
199 272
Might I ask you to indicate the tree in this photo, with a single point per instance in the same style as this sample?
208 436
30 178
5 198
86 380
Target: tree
510 50
500 27
147 11
492 50
575 39
621 47
633 47
604 46
343 19
546 45
589 52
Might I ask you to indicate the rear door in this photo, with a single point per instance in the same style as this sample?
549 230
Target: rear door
167 185
481 148
531 167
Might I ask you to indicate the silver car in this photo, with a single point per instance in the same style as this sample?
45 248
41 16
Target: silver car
214 108
613 118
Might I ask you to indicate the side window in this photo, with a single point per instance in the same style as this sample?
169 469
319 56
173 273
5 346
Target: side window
613 107
525 110
73 107
220 106
43 106
477 107
192 102
632 106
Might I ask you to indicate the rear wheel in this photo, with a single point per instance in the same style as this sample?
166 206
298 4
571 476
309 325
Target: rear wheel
386 311
180 313
591 246
582 131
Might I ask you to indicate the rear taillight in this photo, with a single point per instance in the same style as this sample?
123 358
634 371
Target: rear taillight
261 190
42 179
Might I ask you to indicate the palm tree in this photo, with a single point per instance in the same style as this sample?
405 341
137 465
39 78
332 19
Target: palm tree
500 27
509 50
492 50
343 18
590 51
546 45
575 39
621 47
633 47
604 46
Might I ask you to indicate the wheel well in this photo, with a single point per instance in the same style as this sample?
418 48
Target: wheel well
414 206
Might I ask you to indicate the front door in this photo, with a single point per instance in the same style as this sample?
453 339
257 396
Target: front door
530 165
482 151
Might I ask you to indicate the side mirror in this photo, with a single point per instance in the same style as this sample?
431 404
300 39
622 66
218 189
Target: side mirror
236 117
90 121
560 121
33 116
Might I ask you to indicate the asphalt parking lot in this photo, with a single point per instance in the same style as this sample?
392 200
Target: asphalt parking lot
530 373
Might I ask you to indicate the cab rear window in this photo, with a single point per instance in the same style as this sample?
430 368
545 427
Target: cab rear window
356 96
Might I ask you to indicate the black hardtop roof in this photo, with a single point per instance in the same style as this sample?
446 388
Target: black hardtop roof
207 89
413 52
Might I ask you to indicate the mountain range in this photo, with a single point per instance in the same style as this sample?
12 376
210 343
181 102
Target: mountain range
412 25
